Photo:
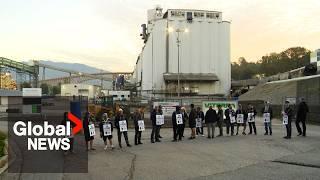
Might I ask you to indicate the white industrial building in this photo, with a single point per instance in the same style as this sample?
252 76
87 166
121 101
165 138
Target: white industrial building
315 57
87 90
203 39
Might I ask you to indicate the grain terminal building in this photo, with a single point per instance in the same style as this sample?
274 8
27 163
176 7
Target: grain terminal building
192 46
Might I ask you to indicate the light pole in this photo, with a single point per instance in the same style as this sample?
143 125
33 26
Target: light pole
178 31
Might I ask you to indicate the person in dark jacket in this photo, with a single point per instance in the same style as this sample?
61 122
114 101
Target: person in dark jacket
105 120
303 109
211 121
200 115
155 128
220 120
136 117
159 127
245 116
251 116
288 111
192 121
177 128
120 117
89 139
71 137
185 118
267 125
229 113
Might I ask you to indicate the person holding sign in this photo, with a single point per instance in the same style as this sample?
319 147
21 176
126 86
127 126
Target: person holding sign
176 124
106 129
230 119
220 120
267 118
136 118
287 117
200 119
211 121
160 111
241 116
89 137
121 124
157 120
192 121
251 119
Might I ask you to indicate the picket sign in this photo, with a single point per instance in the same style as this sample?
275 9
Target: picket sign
92 130
141 125
266 117
198 122
232 118
251 117
107 129
240 118
159 120
123 126
179 119
285 119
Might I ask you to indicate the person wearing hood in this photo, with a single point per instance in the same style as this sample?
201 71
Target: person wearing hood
136 117
103 125
89 139
120 117
303 109
267 125
288 113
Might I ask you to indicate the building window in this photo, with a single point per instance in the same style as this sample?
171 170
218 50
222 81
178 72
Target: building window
198 14
210 15
177 13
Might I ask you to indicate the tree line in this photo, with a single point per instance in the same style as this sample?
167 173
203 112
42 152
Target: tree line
271 64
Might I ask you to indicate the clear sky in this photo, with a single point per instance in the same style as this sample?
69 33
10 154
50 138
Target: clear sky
105 33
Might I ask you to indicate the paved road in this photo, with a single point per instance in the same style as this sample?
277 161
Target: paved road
238 157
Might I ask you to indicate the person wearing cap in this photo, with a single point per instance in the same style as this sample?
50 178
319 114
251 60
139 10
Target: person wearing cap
288 111
105 120
200 115
303 109
239 111
136 117
252 125
211 121
120 117
220 120
229 113
267 125
192 121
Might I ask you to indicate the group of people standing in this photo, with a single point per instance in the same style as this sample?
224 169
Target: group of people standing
196 120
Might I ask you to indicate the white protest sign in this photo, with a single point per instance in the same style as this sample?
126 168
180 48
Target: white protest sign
198 122
107 130
123 126
232 118
240 118
251 117
159 120
141 125
266 117
179 119
92 130
285 119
